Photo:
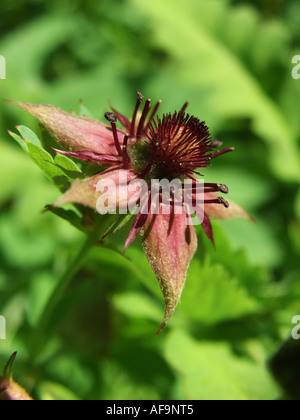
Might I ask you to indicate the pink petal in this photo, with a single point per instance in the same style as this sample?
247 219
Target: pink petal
123 120
218 211
87 193
90 156
169 244
137 226
72 132
206 225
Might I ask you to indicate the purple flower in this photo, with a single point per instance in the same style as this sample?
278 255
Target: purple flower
148 148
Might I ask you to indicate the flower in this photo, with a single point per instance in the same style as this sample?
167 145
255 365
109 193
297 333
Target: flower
148 148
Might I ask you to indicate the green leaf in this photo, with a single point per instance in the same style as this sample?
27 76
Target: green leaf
38 38
45 162
220 84
118 224
68 166
68 215
29 135
18 249
138 305
212 296
19 140
61 170
8 369
211 371
53 391
40 290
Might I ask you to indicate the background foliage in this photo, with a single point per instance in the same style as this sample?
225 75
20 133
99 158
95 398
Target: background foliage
232 60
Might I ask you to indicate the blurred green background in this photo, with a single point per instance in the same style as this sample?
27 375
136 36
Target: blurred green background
232 60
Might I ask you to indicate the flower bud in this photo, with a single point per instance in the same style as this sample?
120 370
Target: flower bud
170 257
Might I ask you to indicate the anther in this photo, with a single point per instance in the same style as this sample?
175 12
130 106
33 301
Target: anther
216 143
140 96
223 201
223 188
217 200
111 117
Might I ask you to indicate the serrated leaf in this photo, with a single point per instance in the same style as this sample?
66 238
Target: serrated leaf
211 371
212 296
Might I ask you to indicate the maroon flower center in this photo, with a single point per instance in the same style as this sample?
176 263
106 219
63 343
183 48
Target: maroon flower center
180 143
171 147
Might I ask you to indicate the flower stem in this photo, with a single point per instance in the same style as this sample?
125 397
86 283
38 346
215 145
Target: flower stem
39 333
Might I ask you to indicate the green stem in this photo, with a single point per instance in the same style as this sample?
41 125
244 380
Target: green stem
37 341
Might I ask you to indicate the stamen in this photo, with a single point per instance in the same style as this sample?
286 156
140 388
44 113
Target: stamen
152 115
221 152
183 109
217 187
112 118
208 187
125 153
218 200
143 119
137 105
